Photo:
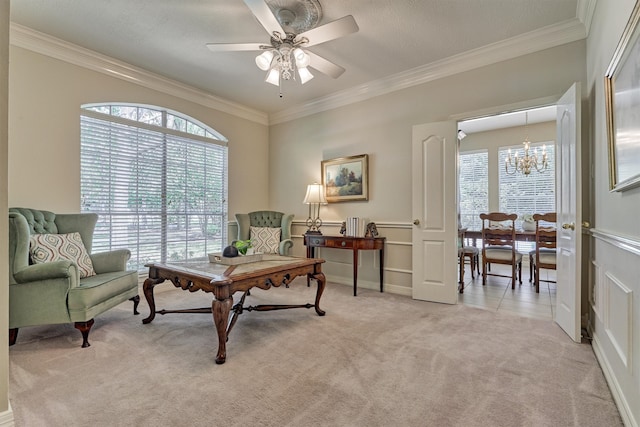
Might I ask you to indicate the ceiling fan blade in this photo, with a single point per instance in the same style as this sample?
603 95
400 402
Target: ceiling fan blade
265 16
332 30
325 66
233 47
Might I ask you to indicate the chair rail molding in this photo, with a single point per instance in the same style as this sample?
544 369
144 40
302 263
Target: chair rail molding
335 223
626 243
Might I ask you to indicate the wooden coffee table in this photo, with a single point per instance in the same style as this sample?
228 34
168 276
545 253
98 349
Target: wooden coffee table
223 281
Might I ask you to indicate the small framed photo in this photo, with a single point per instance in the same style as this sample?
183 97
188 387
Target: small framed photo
346 179
622 98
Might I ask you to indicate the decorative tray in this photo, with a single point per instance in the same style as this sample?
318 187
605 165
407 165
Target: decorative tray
243 259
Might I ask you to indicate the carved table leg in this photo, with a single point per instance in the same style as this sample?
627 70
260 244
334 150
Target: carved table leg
147 288
221 310
321 282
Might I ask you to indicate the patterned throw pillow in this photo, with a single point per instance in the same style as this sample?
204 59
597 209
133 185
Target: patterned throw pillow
56 247
265 240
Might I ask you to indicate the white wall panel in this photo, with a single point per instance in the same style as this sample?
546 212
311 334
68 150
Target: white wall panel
595 290
614 323
434 250
619 319
434 199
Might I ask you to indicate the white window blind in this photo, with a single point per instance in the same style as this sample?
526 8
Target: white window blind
527 194
474 188
159 192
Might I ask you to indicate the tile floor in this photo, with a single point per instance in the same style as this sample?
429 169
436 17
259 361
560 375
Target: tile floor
498 295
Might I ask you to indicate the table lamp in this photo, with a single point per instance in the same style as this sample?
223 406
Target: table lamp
314 198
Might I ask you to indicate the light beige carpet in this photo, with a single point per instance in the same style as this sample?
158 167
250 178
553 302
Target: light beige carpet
373 360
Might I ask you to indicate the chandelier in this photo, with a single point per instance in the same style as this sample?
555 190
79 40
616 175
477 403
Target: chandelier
527 162
283 59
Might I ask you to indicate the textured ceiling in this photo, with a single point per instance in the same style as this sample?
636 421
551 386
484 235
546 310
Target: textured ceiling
168 37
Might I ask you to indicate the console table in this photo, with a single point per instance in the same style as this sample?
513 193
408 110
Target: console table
354 244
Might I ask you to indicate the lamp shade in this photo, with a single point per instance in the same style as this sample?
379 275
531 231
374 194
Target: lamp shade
302 58
305 75
273 77
315 194
263 61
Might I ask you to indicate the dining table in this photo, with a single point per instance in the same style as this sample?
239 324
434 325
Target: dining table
521 235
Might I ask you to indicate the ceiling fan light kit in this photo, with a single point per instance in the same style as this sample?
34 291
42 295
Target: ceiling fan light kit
292 24
280 59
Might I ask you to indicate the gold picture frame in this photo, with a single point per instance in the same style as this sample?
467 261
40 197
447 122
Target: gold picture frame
622 102
346 179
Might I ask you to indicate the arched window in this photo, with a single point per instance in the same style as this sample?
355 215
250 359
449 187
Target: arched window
157 179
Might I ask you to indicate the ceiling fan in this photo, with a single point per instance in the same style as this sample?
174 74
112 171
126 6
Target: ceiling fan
292 27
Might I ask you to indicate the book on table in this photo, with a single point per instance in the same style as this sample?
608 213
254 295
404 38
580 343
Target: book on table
356 226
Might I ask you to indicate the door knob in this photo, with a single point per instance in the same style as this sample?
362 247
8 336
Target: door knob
416 222
586 224
571 226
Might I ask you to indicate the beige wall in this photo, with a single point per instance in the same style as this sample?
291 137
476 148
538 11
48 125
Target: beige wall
6 417
381 127
614 211
614 295
45 95
49 92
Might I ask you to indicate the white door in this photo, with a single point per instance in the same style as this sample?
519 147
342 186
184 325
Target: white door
435 229
568 206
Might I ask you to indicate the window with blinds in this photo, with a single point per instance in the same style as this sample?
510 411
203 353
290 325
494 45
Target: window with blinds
527 194
157 180
473 181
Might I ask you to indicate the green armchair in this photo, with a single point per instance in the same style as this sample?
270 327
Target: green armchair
270 219
54 292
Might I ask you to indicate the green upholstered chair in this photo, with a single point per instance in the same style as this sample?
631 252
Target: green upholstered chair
53 292
271 219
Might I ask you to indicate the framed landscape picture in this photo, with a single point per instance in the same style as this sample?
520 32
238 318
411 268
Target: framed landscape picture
622 96
346 179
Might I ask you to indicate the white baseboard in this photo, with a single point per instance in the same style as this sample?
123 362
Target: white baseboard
618 395
367 284
6 418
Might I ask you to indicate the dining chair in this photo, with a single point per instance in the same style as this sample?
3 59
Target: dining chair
499 245
544 255
464 252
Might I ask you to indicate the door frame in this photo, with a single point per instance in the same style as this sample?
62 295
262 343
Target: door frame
529 105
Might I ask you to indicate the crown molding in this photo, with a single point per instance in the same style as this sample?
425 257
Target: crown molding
544 38
44 44
548 37
585 11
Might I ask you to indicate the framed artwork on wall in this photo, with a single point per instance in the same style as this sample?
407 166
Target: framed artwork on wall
622 97
346 179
